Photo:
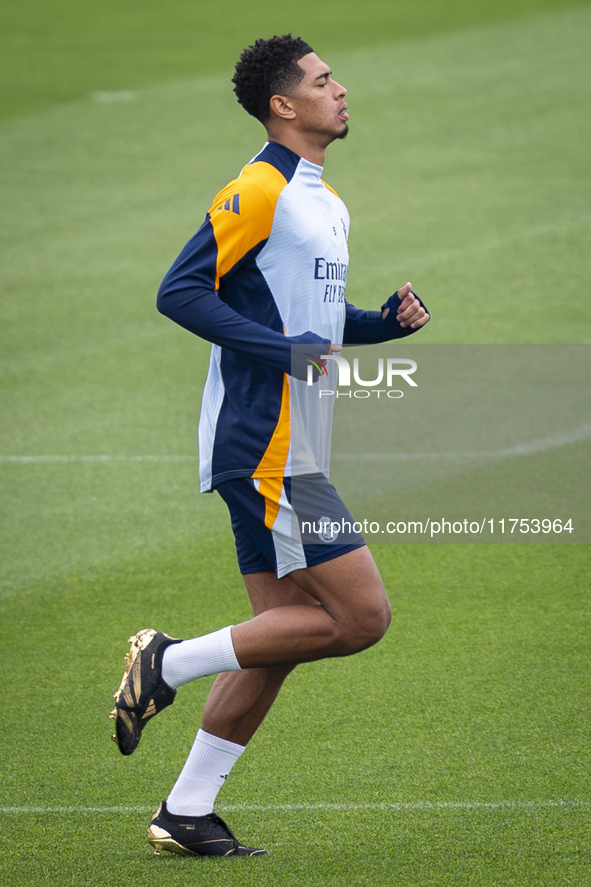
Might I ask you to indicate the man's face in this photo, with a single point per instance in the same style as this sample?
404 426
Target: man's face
318 101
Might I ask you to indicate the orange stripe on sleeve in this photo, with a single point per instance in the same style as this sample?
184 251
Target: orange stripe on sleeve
242 213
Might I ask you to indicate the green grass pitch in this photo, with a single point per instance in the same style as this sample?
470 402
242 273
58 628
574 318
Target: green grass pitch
456 751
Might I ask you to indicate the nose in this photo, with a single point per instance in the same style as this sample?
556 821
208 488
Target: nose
340 90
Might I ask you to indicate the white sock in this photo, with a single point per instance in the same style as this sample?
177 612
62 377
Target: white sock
205 771
189 660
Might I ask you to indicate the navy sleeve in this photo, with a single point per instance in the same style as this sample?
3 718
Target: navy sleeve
368 328
187 296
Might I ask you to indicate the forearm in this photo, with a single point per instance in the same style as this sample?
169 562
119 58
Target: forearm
204 314
201 312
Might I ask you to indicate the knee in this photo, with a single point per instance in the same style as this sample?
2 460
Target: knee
373 626
368 626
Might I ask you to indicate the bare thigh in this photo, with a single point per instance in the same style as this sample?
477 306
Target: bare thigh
349 588
352 612
266 592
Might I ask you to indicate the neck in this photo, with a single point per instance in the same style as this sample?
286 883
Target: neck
299 144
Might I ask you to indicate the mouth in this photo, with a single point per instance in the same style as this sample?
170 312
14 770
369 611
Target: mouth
343 113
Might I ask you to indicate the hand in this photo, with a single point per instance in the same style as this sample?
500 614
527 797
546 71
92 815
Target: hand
410 311
334 349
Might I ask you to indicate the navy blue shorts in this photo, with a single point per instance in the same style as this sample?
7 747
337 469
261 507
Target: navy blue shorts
285 524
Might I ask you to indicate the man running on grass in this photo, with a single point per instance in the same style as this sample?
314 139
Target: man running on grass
265 272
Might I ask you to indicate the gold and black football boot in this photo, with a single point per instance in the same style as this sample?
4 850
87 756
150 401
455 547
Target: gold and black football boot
142 692
195 836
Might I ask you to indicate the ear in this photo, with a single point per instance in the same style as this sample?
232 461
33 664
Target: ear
282 107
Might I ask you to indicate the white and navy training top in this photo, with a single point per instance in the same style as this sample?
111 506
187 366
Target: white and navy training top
266 270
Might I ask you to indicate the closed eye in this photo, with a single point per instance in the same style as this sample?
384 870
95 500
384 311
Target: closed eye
324 78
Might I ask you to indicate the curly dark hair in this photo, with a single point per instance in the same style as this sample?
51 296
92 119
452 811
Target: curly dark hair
268 68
